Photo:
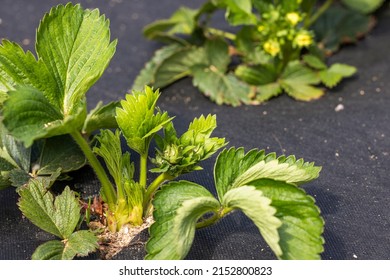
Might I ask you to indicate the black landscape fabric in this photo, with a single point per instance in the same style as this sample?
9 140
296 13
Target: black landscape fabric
347 132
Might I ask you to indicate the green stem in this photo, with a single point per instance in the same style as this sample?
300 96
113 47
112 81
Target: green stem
319 12
143 170
153 188
107 187
214 218
222 33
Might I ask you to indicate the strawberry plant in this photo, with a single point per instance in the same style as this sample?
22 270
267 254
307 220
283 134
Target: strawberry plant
267 48
46 132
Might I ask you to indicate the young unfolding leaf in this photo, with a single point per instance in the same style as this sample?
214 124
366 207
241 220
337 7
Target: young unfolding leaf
175 219
138 121
79 243
47 95
302 226
59 215
179 155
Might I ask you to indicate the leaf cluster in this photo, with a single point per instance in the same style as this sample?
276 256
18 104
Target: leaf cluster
255 64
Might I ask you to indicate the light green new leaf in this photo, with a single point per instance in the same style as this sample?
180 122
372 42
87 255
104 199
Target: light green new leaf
364 6
234 168
314 62
173 232
302 226
332 76
59 215
138 121
266 92
80 243
239 12
147 74
258 208
221 88
75 46
60 152
103 116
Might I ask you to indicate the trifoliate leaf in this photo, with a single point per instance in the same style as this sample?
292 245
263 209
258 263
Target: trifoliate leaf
332 76
58 216
49 97
221 88
339 25
80 243
234 168
258 208
138 121
364 6
60 152
302 226
147 74
172 234
103 116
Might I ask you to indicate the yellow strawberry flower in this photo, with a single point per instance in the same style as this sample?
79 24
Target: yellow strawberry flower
303 39
272 47
293 18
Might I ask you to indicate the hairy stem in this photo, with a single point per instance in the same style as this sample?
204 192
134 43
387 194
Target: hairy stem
107 187
319 12
153 188
214 218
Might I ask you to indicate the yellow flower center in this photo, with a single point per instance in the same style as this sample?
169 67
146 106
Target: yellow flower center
303 40
272 47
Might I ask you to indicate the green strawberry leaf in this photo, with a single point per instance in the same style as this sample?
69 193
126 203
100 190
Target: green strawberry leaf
60 152
58 216
217 52
234 168
220 87
47 95
314 62
302 226
258 208
332 76
173 231
79 243
256 75
239 12
138 121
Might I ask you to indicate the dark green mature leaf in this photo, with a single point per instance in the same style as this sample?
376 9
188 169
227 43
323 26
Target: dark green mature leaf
138 121
59 215
364 6
60 152
173 232
302 226
147 74
234 168
256 75
103 116
258 208
221 88
80 243
64 40
49 99
339 25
